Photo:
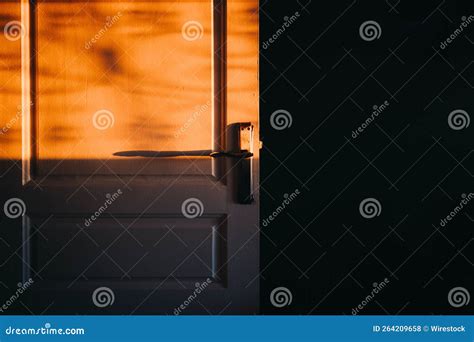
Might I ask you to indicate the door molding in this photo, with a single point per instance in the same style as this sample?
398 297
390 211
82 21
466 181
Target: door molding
219 82
29 86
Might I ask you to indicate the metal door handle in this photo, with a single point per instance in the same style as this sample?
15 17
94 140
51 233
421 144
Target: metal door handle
239 144
242 154
193 153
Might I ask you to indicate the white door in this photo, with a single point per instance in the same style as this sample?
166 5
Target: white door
122 208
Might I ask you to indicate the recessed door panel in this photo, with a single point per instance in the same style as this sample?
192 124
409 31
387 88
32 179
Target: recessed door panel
155 248
113 76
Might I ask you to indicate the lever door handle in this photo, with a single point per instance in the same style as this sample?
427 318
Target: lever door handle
239 144
192 153
242 154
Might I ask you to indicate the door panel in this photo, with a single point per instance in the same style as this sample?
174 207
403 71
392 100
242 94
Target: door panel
116 77
156 247
115 85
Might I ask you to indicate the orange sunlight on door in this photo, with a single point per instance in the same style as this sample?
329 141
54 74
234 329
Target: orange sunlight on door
122 75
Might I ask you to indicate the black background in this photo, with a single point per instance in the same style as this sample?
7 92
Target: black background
408 158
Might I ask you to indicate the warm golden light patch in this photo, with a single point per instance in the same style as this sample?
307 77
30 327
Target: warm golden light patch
114 76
